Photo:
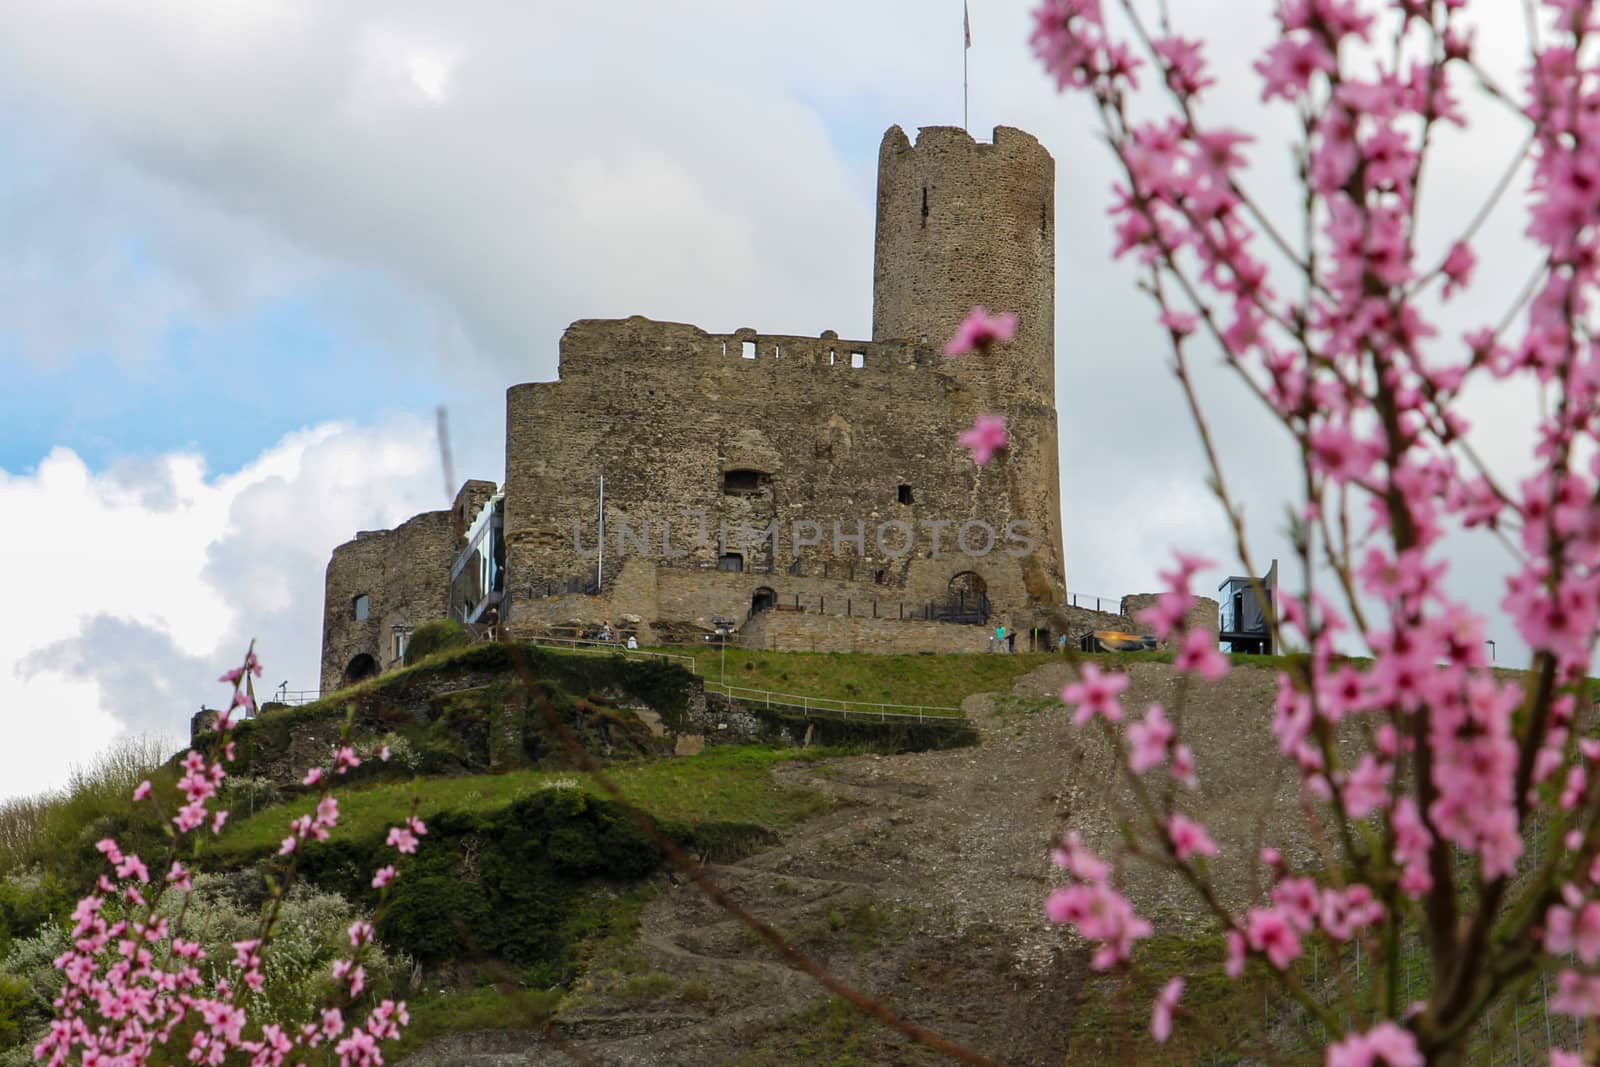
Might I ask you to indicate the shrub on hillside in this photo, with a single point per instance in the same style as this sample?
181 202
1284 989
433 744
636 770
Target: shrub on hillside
436 636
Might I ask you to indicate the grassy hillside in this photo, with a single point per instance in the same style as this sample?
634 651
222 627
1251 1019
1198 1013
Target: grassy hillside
724 784
942 679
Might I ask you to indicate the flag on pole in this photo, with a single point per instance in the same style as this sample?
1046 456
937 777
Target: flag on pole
966 23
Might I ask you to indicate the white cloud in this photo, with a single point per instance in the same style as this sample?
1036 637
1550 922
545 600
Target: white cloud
130 591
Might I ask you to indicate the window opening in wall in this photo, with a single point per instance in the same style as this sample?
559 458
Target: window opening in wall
360 607
858 360
763 599
833 357
724 348
741 481
730 561
881 577
748 349
904 494
777 351
924 203
401 639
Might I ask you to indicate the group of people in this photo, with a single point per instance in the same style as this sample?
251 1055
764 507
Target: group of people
1003 640
607 634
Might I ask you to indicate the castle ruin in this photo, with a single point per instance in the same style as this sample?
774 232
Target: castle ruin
803 492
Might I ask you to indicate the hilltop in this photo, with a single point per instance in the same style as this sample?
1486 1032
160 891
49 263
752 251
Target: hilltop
909 866
921 878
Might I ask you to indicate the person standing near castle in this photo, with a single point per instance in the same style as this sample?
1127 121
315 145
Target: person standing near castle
1000 638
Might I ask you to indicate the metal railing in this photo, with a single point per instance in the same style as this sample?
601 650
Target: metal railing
609 648
1109 605
823 707
840 709
807 705
292 697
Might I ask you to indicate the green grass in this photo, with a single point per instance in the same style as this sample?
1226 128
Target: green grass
944 679
729 783
433 1015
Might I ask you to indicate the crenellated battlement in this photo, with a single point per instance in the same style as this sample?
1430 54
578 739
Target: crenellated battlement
643 345
1006 140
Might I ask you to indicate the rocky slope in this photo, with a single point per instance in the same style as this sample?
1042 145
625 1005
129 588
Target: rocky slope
924 885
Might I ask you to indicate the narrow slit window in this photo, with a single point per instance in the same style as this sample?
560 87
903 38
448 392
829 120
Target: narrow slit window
833 357
904 494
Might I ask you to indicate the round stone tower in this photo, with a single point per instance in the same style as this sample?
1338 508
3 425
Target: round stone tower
962 223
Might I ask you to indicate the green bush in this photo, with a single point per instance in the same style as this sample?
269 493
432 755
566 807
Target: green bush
516 883
17 1005
435 636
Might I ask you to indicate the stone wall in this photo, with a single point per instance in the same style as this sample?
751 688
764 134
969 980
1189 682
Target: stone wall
1203 616
786 450
405 575
666 411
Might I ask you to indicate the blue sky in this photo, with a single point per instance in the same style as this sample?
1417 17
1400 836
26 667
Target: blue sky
227 390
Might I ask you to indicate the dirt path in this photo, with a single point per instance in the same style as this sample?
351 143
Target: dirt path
926 886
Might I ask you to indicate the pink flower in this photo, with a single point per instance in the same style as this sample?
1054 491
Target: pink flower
1457 268
1199 655
1387 1043
980 330
1081 863
1179 323
1297 901
143 791
1576 995
1095 693
313 776
1189 838
1161 1010
384 876
1233 961
986 437
1149 740
1183 769
1574 929
402 838
1366 787
1270 934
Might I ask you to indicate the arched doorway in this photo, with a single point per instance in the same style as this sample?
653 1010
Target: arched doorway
763 599
360 669
966 599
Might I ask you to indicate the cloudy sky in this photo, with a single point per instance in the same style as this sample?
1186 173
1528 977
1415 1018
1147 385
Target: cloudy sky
250 245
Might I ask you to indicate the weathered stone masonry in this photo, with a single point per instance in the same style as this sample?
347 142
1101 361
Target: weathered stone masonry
846 448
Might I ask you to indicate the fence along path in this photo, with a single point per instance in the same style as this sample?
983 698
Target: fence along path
809 706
